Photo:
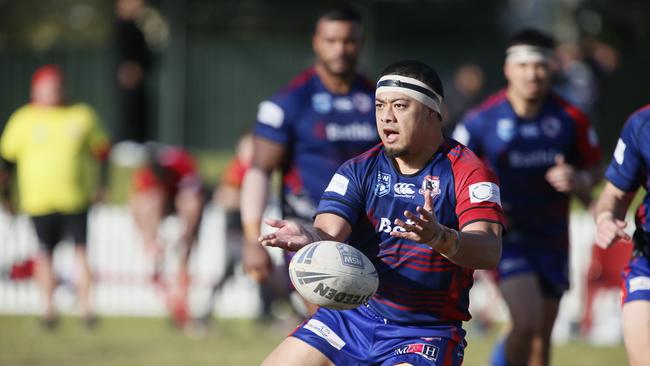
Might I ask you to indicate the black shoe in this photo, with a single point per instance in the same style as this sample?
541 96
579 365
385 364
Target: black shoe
49 323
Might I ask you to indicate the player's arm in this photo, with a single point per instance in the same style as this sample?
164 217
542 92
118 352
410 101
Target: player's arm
293 236
477 246
610 215
267 156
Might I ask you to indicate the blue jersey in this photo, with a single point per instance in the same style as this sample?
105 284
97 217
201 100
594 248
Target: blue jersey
416 283
521 152
320 130
630 167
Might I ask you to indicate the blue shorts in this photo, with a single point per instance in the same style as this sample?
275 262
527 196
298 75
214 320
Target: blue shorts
550 267
361 337
636 280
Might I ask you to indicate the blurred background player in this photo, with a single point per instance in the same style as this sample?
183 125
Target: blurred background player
627 172
543 150
319 120
133 61
52 144
426 212
168 184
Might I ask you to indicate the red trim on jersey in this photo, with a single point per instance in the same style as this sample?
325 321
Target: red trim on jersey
490 102
642 109
301 79
368 154
641 214
589 155
469 169
449 354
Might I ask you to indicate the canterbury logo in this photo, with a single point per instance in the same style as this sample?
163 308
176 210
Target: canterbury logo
404 188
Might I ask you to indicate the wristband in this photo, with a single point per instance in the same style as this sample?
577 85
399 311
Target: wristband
456 246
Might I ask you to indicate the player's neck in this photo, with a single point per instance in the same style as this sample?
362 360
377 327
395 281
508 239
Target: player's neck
415 160
335 83
525 108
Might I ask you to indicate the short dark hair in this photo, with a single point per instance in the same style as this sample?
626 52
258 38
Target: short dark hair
531 37
416 70
343 13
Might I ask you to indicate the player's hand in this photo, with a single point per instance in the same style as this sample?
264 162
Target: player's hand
289 236
561 175
256 261
609 229
423 227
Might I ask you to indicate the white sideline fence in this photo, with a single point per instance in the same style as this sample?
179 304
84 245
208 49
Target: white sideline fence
123 273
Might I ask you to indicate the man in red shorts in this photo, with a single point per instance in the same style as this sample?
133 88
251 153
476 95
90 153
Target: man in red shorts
168 184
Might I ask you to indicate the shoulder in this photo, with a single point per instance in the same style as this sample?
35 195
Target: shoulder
489 105
573 112
365 84
637 125
297 88
461 158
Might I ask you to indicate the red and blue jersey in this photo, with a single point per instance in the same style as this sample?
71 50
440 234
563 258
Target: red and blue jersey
630 166
416 283
321 130
521 151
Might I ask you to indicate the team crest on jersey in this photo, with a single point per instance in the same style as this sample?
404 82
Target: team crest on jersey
551 127
431 183
505 129
321 102
425 350
349 257
382 187
362 102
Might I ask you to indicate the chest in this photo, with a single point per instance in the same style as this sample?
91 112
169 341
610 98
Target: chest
389 195
327 119
525 144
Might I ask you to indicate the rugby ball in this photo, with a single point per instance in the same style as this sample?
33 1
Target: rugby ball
333 275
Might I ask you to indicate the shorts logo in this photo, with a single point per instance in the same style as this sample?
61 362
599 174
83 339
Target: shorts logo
505 129
321 102
431 183
404 190
349 257
383 184
425 350
325 332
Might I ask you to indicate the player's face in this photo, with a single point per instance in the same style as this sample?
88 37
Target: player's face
402 123
528 80
48 91
337 45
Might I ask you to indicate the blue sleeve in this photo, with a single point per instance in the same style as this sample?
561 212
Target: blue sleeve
468 133
274 121
344 195
626 169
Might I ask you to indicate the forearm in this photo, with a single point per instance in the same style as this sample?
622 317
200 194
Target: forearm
476 249
254 197
613 203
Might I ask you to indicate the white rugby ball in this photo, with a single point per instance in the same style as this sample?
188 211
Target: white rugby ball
333 275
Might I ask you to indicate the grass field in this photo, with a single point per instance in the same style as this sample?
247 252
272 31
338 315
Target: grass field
151 341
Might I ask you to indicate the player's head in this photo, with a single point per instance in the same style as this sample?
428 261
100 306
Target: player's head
527 64
337 40
408 103
47 86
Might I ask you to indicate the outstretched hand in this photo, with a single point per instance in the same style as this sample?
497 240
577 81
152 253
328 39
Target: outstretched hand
609 229
289 236
423 227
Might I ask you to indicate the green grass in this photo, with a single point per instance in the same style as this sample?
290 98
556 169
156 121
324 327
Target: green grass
151 341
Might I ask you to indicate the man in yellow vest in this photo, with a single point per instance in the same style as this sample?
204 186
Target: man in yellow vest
53 144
